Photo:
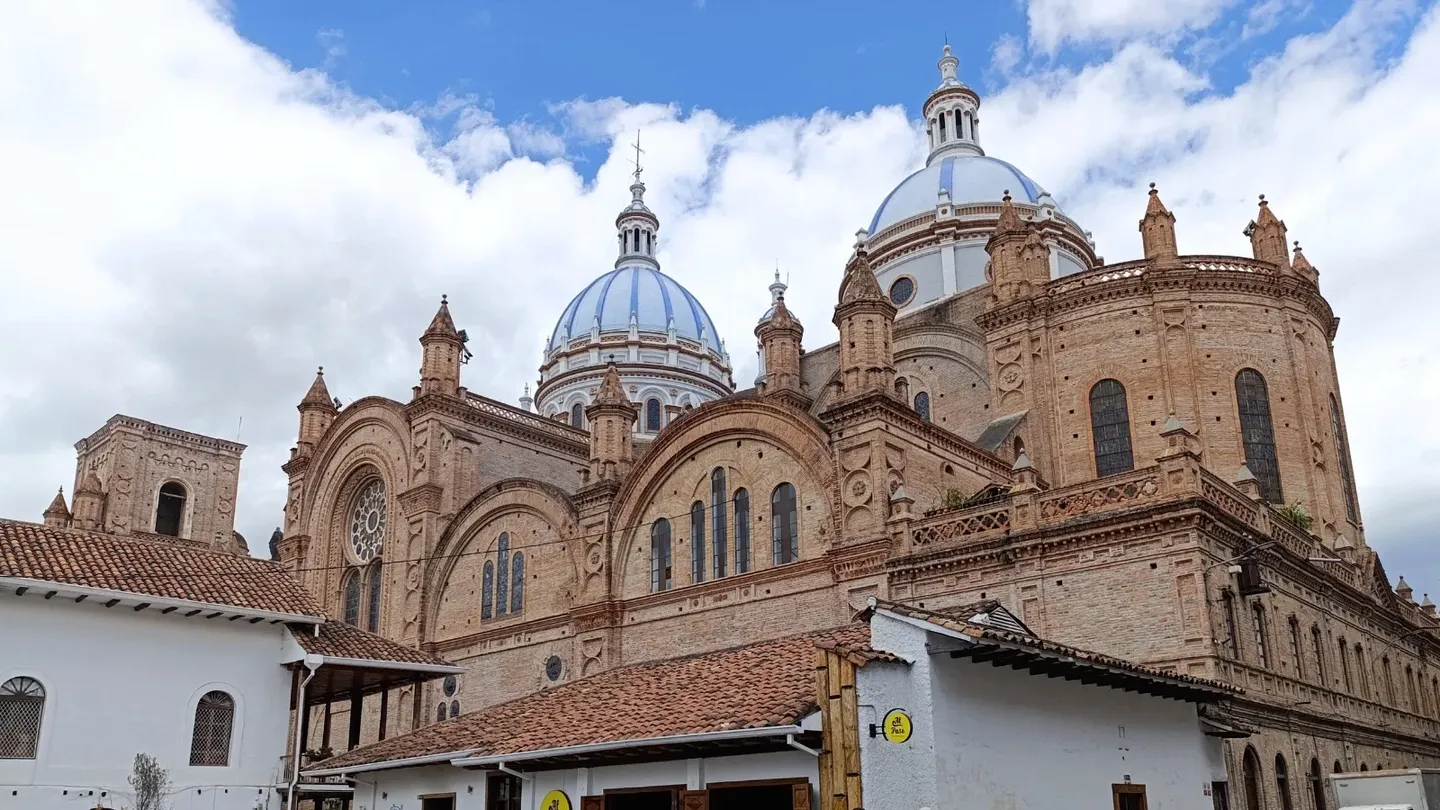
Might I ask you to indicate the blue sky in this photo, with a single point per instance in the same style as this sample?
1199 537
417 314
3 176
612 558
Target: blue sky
232 192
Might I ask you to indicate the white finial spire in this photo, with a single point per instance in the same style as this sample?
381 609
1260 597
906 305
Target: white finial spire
948 66
951 119
637 224
526 401
778 287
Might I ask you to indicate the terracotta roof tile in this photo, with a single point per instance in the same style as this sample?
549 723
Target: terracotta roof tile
766 684
340 640
149 568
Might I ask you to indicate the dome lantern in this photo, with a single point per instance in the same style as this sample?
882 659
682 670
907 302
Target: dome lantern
637 227
951 114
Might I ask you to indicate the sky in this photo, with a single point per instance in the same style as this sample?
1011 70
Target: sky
200 202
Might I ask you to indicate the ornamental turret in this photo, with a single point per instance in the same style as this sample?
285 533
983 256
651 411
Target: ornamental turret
443 350
57 515
951 114
1019 257
611 420
1267 237
317 412
1157 231
866 320
780 335
89 510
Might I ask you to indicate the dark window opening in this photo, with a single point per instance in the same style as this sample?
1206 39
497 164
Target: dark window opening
214 720
922 405
1258 433
742 531
1282 783
170 511
662 576
487 591
517 584
784 524
658 799
376 581
576 415
1252 780
652 415
502 792
697 542
1317 785
352 593
719 512
1128 797
502 575
755 797
1110 425
22 707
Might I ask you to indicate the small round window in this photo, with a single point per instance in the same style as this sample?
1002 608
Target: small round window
902 291
554 668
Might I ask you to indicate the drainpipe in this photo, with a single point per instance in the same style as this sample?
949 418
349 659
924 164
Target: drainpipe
790 741
312 663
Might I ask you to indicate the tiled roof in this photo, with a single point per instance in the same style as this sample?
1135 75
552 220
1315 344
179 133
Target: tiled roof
767 684
1030 642
340 640
149 568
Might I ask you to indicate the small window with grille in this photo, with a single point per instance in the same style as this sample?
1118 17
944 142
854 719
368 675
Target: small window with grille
214 723
22 707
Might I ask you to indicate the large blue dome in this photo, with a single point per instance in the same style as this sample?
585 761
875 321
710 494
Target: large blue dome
967 178
652 297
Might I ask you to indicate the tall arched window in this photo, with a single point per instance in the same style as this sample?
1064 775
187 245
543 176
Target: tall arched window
942 128
372 613
1252 779
22 707
922 405
1262 634
1282 783
1258 433
1317 784
1317 647
502 574
742 531
662 576
440 712
352 593
719 511
1110 428
1364 767
1342 454
1232 628
170 509
1296 653
1388 681
487 592
1362 675
652 415
1345 666
517 583
214 721
784 526
577 413
697 542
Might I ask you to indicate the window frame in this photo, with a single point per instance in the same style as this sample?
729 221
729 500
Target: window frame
698 560
1261 628
18 701
352 596
741 502
654 415
1257 432
1297 650
374 595
661 556
1110 414
719 523
1251 778
785 536
922 405
1282 783
224 721
181 510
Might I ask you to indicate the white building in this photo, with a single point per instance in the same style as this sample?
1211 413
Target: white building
802 722
114 646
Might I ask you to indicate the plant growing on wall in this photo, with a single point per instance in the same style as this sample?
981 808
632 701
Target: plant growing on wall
319 754
953 499
150 782
1296 514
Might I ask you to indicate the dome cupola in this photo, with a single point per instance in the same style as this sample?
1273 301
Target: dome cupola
666 349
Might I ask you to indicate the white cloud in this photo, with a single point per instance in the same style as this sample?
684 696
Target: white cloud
332 40
190 227
1054 22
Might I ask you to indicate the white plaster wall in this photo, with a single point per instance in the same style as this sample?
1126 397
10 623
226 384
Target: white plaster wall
401 789
1002 738
120 683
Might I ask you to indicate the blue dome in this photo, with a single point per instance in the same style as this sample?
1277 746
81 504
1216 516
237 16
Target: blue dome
967 178
652 297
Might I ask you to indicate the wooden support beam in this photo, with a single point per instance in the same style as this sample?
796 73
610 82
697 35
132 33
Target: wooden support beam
141 606
216 614
112 603
191 613
384 708
357 705
329 701
81 598
169 610
51 594
22 589
257 620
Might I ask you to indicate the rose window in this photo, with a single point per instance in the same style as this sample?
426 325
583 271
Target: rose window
367 522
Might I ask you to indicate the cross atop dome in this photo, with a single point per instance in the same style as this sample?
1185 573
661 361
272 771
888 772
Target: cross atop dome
951 120
637 224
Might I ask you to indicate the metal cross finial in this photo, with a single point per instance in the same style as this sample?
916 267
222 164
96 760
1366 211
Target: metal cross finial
638 153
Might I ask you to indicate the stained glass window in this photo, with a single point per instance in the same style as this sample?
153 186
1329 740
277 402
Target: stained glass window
742 531
454 708
719 511
576 415
367 522
214 720
352 594
1258 433
517 583
440 712
1110 428
22 706
697 542
487 591
1342 452
652 415
376 581
661 574
902 291
502 575
784 526
922 405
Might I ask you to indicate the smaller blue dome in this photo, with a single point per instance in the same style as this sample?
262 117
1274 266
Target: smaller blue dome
650 296
967 179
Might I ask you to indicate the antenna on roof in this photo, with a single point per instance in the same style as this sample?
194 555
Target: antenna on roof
237 428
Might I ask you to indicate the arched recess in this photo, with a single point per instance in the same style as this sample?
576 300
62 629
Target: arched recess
723 422
474 532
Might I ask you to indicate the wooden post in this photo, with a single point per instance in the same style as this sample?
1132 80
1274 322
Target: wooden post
827 736
329 690
694 800
357 704
836 720
850 731
384 708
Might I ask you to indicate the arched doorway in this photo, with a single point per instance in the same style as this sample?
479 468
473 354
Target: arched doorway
1251 765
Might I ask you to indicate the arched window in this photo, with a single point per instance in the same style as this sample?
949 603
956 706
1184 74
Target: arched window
719 510
372 614
742 531
487 591
1262 634
1258 433
1282 783
577 413
942 127
922 405
1317 648
502 574
170 509
1252 779
1364 767
1338 769
1317 784
214 720
1110 428
697 542
1362 676
440 712
1345 667
1389 682
784 527
1232 628
454 709
1295 649
22 707
652 415
517 583
662 576
1342 454
649 244
352 591
1019 447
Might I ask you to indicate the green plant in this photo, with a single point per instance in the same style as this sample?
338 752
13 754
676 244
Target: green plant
1296 514
150 782
953 499
318 754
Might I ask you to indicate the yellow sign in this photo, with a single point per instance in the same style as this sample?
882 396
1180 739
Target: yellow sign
555 800
897 726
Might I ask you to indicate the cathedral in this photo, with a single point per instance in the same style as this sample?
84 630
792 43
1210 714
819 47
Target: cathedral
1147 459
